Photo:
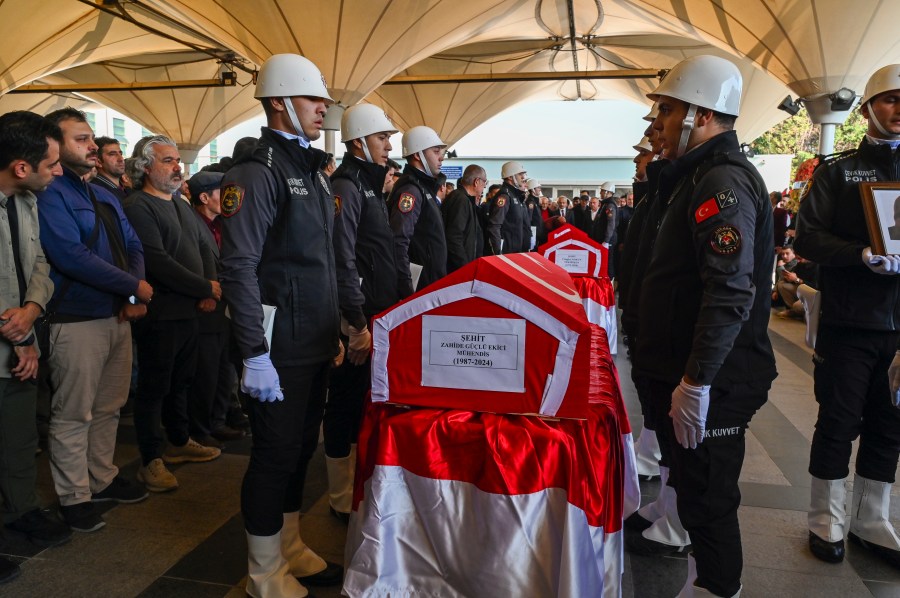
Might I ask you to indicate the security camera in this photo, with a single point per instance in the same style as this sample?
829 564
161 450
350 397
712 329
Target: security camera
789 105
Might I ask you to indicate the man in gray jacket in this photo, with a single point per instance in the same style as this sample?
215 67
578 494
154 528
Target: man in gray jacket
29 160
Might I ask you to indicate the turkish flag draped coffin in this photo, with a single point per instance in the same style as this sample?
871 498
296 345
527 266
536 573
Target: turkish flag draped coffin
459 494
586 262
505 334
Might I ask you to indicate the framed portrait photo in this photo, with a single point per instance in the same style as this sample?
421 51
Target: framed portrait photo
881 203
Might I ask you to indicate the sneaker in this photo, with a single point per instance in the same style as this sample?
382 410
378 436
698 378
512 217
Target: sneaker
82 517
191 452
121 490
156 477
9 570
210 442
41 528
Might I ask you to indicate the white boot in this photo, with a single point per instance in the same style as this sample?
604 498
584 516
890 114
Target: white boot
826 517
690 590
340 481
268 574
300 557
869 523
647 455
656 509
667 529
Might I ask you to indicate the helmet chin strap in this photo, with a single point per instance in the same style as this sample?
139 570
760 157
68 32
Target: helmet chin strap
365 148
879 126
289 106
425 167
687 125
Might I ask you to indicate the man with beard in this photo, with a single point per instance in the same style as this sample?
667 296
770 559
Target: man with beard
98 270
110 166
363 251
29 154
181 267
509 228
416 213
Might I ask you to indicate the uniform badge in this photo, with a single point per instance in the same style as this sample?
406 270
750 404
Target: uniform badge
725 240
707 209
232 198
338 202
726 199
406 202
501 201
608 212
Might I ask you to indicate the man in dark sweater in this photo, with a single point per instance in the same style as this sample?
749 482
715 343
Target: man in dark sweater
181 267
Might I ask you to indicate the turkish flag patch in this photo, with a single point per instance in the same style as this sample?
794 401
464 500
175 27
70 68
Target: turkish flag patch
338 204
707 209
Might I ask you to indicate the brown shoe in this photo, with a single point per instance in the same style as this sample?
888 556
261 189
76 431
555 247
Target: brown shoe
191 452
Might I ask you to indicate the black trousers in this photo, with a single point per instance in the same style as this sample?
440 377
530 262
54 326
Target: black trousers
213 382
167 350
706 479
347 392
285 436
853 393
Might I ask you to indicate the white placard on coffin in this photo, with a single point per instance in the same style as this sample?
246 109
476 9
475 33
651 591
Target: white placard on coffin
524 362
575 252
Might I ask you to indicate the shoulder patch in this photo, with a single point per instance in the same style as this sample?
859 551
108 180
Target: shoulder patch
725 240
501 201
707 209
406 202
338 202
726 199
608 211
232 199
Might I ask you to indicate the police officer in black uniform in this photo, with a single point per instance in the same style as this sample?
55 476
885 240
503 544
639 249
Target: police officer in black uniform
277 251
859 328
533 205
508 219
660 527
363 251
415 212
704 311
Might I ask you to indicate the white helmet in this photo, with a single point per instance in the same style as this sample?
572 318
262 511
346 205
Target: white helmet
420 138
705 81
532 184
654 112
887 78
644 145
362 120
511 169
608 186
287 75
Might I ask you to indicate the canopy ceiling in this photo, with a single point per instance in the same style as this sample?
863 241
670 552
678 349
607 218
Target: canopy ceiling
808 46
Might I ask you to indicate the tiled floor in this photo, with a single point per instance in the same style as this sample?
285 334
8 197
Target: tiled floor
190 543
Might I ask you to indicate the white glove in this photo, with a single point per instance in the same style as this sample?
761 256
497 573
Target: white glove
894 379
881 264
260 379
360 342
605 245
689 407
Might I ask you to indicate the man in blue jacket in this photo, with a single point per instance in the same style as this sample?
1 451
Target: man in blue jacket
97 266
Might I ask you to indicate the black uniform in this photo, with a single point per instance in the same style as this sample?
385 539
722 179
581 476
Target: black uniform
508 221
533 205
363 251
278 214
858 326
415 218
704 311
465 240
